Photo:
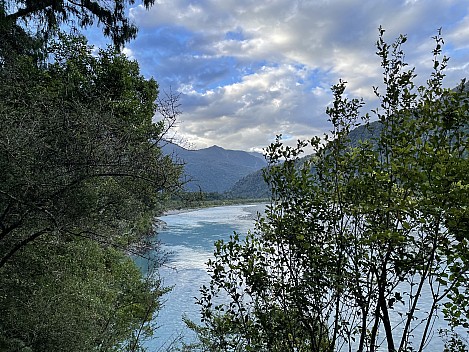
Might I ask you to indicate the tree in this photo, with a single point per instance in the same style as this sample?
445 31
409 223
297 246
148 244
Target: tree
76 296
50 14
83 177
79 149
364 245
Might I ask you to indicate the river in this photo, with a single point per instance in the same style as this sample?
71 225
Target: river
188 239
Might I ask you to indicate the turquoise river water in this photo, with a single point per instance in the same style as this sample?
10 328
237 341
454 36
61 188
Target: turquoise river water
188 239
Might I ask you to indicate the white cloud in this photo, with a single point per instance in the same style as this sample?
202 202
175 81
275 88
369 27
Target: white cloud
249 70
129 53
251 112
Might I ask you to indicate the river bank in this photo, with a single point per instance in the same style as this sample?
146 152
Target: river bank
213 204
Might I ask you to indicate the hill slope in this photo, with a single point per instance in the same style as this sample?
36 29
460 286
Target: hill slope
215 169
250 186
254 186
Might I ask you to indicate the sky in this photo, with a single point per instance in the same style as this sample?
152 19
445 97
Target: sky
248 70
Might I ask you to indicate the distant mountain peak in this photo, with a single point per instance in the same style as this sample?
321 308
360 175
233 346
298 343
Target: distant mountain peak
214 148
214 169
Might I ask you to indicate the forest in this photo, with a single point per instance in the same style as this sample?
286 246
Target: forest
355 234
83 178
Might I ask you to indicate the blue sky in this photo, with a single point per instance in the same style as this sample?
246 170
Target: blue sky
248 70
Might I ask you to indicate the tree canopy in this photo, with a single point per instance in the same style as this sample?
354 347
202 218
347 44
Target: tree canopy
365 245
79 148
48 15
75 296
83 177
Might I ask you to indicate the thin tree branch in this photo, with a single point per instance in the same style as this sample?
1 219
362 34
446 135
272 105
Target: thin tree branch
23 243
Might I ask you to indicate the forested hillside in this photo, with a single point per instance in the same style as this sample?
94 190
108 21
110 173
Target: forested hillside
214 169
250 186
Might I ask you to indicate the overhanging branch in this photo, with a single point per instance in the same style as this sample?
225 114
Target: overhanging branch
33 8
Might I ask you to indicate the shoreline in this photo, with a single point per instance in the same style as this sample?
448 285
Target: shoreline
204 206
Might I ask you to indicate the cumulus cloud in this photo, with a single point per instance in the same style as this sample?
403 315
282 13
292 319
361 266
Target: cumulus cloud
251 112
249 70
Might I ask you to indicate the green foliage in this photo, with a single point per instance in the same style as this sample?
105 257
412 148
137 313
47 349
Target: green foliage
82 179
16 41
74 296
48 15
365 244
79 149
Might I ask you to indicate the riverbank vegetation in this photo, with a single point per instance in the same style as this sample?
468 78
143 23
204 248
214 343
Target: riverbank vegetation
83 177
195 200
364 246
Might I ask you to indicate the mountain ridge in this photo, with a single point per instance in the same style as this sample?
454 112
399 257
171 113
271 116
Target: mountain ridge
214 169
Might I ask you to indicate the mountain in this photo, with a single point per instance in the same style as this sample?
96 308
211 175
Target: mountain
237 173
214 169
254 186
250 186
